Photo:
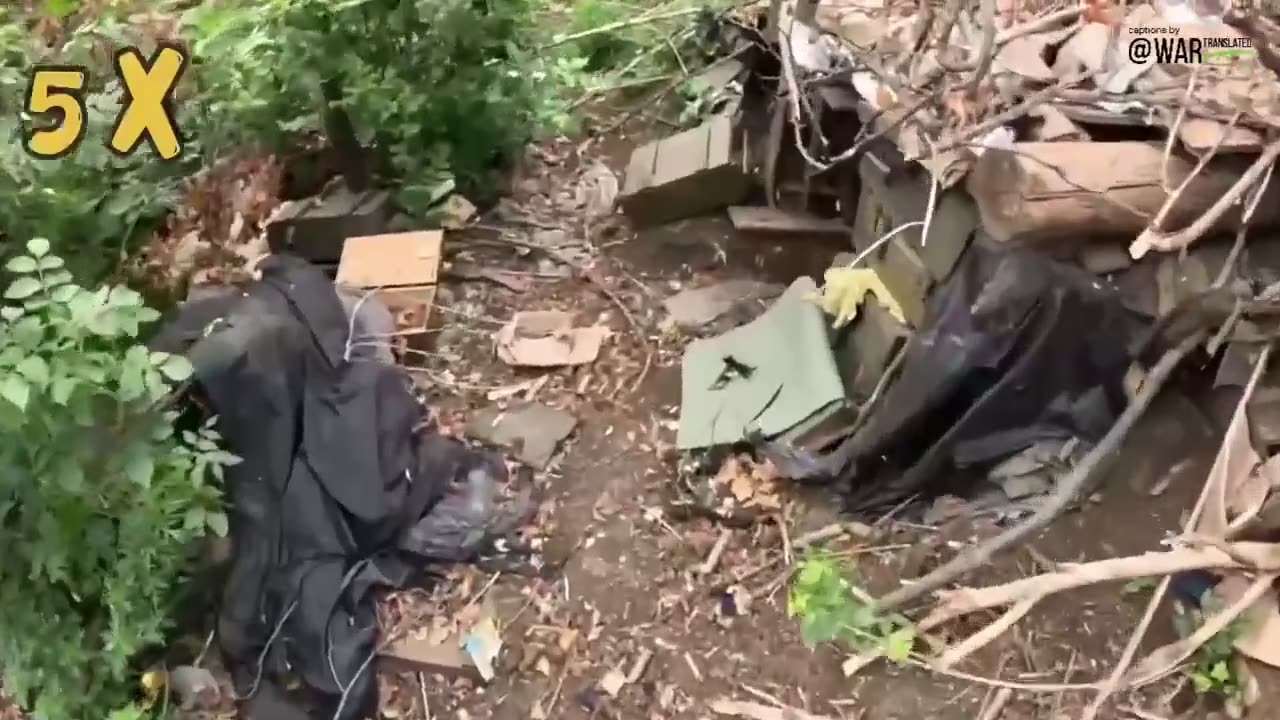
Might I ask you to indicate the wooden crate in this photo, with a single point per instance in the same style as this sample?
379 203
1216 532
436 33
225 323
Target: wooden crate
691 173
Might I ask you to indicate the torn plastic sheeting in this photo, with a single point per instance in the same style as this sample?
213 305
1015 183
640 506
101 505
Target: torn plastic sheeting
1016 348
762 378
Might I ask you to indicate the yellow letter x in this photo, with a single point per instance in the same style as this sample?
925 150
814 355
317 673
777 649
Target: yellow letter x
146 88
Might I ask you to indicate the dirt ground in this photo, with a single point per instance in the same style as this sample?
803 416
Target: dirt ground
629 584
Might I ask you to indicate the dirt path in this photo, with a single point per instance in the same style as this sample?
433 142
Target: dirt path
629 584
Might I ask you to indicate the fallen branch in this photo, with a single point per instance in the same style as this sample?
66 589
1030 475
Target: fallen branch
963 601
980 639
1170 202
1002 118
1155 239
621 25
986 51
1237 247
1177 125
713 558
1165 660
1066 491
996 708
1113 681
1262 32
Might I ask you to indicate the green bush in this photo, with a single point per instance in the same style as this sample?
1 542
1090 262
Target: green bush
92 205
447 89
101 500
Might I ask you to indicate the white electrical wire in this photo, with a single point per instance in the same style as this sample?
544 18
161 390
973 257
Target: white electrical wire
926 223
262 657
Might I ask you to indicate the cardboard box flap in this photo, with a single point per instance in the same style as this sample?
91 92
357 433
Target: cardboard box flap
391 260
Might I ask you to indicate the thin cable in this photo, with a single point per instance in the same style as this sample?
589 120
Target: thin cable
892 234
328 641
342 702
262 657
933 193
351 323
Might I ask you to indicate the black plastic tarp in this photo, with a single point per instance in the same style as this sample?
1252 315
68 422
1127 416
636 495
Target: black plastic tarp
1016 348
334 478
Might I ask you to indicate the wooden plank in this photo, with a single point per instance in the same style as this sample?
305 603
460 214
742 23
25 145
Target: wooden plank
772 220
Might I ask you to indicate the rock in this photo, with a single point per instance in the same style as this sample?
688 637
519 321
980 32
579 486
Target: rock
194 687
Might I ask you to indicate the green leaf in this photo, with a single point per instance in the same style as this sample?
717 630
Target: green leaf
217 523
121 296
132 384
10 313
140 468
38 247
176 368
35 369
51 262
56 278
64 293
194 519
1220 671
61 9
70 476
898 645
222 457
21 264
16 390
22 288
62 388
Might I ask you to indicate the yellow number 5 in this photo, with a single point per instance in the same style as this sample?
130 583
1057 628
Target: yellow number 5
56 89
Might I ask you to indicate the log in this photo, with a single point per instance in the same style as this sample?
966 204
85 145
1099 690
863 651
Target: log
1066 193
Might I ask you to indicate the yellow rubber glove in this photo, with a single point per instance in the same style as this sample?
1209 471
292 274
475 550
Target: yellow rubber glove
844 289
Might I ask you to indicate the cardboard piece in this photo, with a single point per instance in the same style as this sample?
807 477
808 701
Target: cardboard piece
401 267
419 654
548 339
467 652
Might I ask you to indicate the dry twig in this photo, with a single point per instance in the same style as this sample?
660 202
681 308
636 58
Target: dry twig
1112 683
1158 240
986 52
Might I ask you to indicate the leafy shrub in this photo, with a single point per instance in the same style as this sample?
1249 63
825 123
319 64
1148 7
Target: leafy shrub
447 89
91 204
100 499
